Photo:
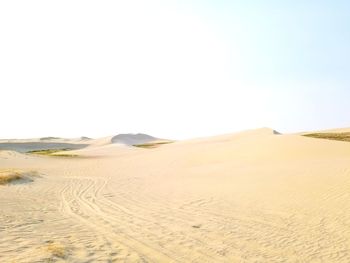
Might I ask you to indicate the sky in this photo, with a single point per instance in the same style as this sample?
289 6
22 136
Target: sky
172 69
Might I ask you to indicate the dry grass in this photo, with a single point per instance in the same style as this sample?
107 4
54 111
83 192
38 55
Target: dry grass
57 250
343 136
53 152
151 145
8 176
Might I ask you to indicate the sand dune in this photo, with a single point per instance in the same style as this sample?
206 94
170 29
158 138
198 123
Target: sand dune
253 196
132 139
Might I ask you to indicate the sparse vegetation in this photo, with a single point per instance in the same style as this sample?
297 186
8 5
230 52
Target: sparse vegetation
151 145
342 136
48 138
57 250
53 152
8 176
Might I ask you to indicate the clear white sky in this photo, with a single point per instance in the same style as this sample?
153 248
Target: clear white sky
175 69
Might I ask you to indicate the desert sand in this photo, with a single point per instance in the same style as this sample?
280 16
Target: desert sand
254 196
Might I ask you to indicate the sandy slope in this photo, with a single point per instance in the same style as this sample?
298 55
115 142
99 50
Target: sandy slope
248 197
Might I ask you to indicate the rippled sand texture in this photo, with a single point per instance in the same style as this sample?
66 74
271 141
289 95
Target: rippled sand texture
248 197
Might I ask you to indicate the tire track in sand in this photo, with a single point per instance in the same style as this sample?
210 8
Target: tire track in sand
78 200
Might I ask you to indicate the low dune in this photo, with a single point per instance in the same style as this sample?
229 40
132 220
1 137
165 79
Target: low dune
132 139
254 196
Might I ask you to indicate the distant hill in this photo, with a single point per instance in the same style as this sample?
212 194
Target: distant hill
84 138
132 139
49 138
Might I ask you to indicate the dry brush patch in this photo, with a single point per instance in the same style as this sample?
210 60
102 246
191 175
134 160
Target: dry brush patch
151 145
53 152
342 136
8 176
55 251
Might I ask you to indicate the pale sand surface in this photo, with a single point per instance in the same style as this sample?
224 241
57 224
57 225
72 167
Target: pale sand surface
337 130
248 197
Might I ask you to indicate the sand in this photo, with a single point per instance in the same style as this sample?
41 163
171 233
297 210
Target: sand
254 196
